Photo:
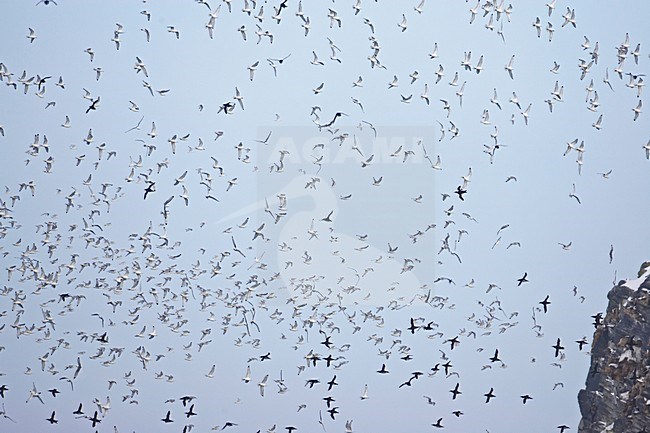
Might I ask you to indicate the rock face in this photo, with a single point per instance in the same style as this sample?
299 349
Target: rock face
617 394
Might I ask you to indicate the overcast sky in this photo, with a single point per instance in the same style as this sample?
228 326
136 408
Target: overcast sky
364 231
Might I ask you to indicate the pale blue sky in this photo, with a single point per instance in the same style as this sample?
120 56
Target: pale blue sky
198 70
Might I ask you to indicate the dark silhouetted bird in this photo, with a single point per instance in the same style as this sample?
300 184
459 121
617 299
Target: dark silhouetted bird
545 303
557 348
455 392
522 280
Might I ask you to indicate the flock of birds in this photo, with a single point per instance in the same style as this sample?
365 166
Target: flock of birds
149 266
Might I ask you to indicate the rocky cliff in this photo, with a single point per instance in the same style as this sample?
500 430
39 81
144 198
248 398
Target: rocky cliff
616 398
